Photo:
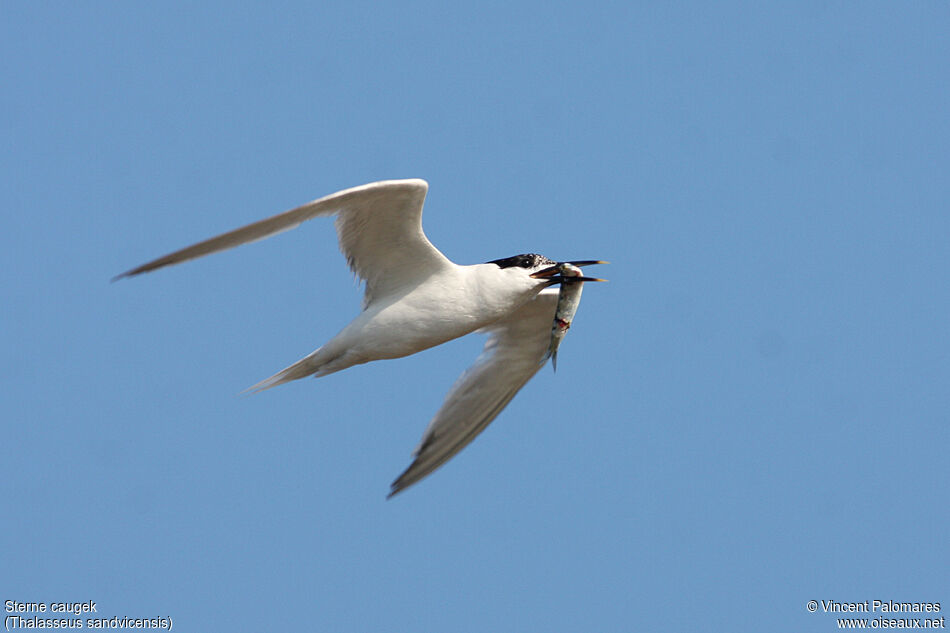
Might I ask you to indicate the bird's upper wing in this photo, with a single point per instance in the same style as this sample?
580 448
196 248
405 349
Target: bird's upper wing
512 355
379 226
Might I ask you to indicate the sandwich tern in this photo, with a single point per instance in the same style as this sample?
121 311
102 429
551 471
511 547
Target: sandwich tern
415 298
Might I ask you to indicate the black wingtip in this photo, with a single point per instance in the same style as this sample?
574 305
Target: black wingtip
396 486
132 272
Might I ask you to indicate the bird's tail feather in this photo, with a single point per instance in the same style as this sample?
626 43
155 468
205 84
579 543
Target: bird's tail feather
301 369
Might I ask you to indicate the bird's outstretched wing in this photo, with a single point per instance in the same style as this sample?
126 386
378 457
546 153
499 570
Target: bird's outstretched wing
379 227
512 355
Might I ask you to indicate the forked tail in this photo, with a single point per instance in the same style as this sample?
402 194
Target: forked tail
318 363
301 369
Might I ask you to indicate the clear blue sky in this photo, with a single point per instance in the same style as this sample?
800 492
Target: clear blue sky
753 413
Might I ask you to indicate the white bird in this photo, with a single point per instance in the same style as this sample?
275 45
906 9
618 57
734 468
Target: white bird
416 298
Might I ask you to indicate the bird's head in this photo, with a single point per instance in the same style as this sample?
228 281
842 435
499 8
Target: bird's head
543 270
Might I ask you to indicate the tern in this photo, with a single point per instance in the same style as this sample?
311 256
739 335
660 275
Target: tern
416 298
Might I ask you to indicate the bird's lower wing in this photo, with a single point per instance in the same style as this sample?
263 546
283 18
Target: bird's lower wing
379 229
512 355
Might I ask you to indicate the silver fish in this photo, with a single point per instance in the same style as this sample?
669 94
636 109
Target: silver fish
568 299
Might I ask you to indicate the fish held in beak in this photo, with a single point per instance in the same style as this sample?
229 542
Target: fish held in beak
568 299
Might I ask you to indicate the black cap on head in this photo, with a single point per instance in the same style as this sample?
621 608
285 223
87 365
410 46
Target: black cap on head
527 260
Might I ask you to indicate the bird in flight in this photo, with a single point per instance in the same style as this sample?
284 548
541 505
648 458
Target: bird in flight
415 298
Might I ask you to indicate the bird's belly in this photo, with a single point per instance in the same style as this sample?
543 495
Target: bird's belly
406 327
396 333
428 315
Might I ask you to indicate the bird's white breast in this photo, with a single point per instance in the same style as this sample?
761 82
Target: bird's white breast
451 303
